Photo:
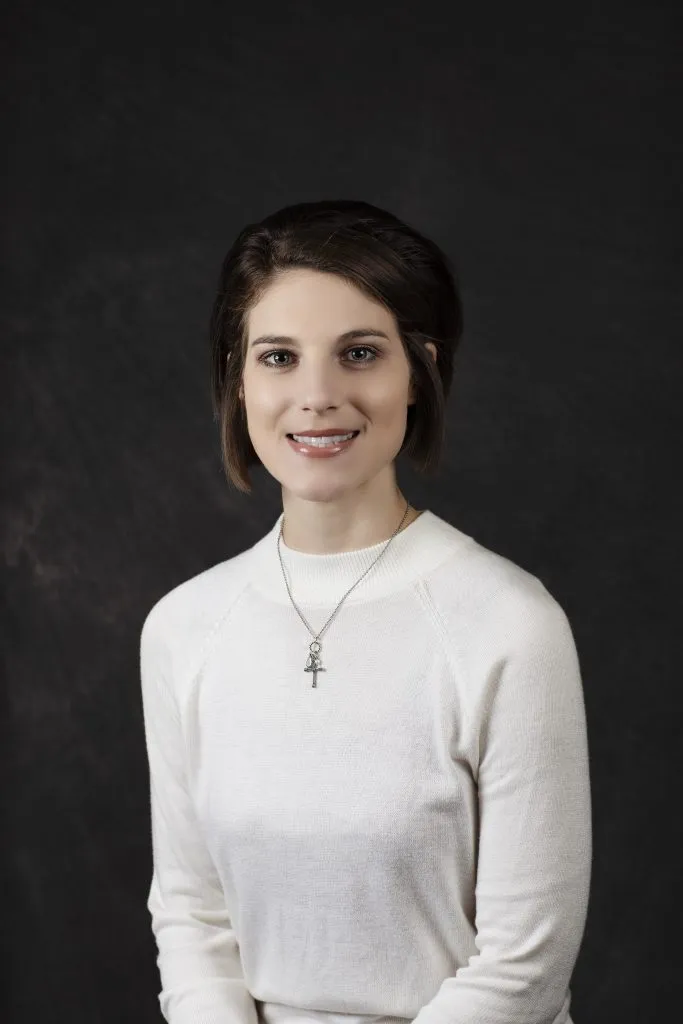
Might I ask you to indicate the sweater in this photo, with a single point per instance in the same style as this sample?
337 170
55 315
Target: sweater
409 839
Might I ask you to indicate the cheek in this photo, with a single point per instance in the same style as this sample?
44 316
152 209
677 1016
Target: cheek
263 403
387 401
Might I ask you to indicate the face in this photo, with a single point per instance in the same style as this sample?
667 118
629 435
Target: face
317 379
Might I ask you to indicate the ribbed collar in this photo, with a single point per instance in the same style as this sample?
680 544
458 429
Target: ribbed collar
324 578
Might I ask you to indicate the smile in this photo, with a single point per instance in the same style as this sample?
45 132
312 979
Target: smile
321 447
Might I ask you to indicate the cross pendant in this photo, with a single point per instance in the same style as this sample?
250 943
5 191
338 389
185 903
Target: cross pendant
314 664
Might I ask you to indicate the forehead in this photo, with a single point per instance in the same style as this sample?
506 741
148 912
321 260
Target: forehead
301 300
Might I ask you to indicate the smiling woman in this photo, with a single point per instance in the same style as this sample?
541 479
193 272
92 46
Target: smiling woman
307 283
396 830
322 384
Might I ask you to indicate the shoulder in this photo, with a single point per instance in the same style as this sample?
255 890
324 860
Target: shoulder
506 634
493 597
180 624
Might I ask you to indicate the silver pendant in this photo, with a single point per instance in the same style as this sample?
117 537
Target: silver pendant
314 664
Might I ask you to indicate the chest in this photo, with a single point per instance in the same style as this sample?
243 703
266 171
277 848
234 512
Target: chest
365 756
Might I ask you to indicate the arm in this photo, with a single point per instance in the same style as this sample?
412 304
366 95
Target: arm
535 837
198 956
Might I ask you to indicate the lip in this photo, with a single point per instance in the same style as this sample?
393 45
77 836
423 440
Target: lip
316 452
329 432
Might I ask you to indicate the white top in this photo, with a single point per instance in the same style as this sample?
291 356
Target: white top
411 839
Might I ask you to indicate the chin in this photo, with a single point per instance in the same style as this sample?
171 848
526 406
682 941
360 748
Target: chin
318 492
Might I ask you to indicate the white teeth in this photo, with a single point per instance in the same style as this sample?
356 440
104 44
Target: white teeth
321 442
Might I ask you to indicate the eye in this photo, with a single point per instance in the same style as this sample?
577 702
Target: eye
363 348
275 352
283 351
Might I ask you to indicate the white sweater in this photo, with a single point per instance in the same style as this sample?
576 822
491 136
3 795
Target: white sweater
410 840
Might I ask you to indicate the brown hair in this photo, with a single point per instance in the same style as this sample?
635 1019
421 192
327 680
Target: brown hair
371 248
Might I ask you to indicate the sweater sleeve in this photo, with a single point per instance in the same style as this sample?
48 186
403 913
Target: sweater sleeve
198 955
535 835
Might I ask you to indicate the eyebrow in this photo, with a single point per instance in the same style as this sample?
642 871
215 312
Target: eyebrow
356 332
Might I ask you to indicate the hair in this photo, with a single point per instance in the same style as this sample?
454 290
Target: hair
388 260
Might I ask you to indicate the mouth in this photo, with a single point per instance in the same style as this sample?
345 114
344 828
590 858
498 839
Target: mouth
321 437
321 447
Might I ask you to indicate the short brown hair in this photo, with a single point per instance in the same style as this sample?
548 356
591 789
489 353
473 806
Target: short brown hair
371 248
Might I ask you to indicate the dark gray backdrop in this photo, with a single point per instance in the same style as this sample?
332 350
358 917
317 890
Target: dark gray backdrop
538 145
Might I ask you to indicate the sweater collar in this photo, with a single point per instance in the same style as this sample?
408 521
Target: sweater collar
323 579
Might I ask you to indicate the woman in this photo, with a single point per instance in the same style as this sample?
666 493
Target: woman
366 734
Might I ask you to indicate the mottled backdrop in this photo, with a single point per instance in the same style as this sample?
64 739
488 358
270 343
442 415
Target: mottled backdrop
539 145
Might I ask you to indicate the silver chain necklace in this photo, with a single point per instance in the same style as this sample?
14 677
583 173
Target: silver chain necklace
314 664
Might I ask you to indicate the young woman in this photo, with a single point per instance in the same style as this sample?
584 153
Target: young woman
366 733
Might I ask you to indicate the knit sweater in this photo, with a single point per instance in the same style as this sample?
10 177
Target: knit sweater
408 840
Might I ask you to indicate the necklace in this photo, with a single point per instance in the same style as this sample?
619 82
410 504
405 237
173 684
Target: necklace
314 663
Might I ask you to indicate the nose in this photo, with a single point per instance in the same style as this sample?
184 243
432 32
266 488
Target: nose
319 386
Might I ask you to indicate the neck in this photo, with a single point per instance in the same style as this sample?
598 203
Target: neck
335 533
320 580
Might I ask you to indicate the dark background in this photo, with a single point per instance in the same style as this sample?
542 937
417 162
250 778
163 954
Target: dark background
539 146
